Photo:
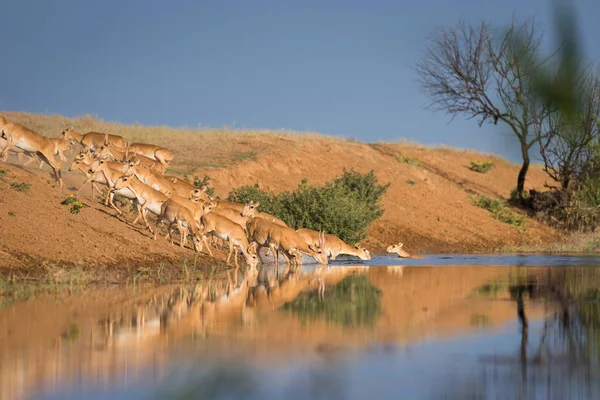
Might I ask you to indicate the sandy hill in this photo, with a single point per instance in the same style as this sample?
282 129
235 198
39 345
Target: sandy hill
427 206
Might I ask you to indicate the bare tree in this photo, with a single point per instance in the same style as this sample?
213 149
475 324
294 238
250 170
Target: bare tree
466 71
571 154
570 149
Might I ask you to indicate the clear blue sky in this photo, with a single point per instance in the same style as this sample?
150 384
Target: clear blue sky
335 67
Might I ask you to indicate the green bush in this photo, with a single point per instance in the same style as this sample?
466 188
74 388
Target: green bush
344 207
499 211
515 198
523 201
482 167
74 202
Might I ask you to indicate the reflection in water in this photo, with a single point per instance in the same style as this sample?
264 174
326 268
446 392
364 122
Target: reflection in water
352 302
339 331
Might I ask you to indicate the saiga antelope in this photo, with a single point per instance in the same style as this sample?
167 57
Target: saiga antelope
148 198
175 212
92 140
335 245
109 151
250 209
16 135
397 248
226 229
19 152
181 186
197 206
285 239
155 180
161 154
100 167
60 146
80 165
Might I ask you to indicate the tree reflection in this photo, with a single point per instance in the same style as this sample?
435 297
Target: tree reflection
352 302
558 358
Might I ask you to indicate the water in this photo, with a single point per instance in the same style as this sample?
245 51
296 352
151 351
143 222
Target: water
440 327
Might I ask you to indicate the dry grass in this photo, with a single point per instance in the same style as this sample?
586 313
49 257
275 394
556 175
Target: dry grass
200 148
193 148
56 279
576 243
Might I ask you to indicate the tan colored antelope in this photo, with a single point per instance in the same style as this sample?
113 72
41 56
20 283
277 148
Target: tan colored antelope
16 135
181 186
285 239
335 245
83 162
60 147
176 212
19 152
148 198
224 204
122 155
226 229
397 248
111 153
93 140
101 167
123 167
155 180
197 206
201 194
80 165
161 154
86 155
250 209
229 204
149 163
233 215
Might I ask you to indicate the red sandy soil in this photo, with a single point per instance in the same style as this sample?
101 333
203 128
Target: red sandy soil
433 215
35 229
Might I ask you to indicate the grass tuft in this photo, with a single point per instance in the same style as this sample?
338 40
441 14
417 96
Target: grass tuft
408 160
74 202
248 155
483 167
500 211
21 186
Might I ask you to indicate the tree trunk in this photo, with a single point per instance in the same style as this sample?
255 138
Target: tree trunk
523 171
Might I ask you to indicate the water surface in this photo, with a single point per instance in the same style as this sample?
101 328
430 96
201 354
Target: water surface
440 327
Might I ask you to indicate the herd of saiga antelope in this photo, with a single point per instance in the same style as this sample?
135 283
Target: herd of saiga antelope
136 171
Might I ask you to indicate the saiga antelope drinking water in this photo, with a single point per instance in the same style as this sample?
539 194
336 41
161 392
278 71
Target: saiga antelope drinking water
335 246
397 248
